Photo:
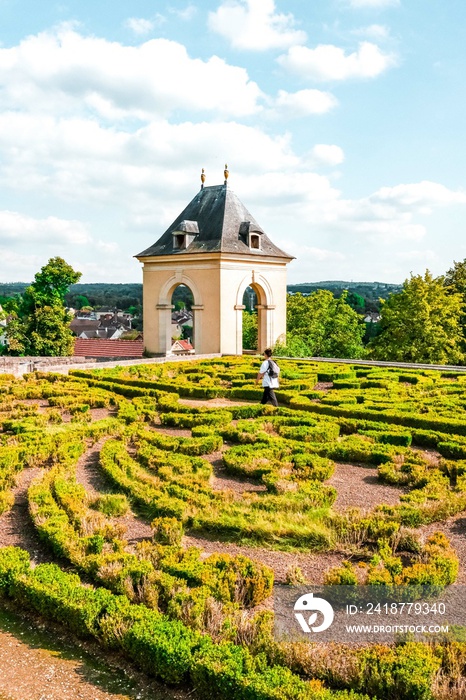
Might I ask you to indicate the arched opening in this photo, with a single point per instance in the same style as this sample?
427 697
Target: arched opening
250 320
255 291
182 320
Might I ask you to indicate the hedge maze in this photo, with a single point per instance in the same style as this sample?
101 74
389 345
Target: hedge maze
204 622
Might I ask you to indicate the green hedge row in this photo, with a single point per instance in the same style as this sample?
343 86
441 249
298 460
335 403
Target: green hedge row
444 425
157 385
162 648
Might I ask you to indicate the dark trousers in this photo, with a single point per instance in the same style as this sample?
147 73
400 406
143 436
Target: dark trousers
269 395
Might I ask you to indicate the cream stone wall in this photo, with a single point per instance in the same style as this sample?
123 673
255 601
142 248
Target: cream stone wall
218 282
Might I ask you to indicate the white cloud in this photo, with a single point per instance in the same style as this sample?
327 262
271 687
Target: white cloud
186 14
422 196
305 253
254 25
24 230
373 4
377 32
62 72
417 255
291 105
328 62
326 154
139 25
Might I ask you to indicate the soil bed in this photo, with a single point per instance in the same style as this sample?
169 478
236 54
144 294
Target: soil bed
357 486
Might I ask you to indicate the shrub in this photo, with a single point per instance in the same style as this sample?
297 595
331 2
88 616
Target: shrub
249 583
294 576
13 562
403 673
343 575
312 466
167 531
452 450
323 432
112 504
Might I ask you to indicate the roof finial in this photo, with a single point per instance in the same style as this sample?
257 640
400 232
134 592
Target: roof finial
226 173
202 179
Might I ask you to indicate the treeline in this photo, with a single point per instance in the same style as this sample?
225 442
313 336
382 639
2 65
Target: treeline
121 296
424 322
362 296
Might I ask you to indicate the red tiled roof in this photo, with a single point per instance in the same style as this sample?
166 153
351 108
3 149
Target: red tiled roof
185 344
98 347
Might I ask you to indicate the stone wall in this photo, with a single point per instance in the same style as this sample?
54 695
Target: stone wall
22 365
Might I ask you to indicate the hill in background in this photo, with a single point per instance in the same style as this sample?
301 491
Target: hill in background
124 296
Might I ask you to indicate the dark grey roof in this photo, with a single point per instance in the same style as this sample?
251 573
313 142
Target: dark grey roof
223 226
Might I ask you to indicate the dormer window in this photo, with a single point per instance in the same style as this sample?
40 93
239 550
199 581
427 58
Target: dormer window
250 234
254 241
185 234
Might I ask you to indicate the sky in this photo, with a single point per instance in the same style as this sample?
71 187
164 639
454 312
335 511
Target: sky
342 122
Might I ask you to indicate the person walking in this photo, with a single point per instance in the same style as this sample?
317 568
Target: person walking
268 373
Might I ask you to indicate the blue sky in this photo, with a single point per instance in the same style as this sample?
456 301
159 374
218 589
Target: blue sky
342 123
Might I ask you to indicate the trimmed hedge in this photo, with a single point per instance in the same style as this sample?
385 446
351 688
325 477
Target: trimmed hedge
443 425
162 648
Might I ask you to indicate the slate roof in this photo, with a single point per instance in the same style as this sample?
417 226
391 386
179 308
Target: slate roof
97 347
222 220
78 325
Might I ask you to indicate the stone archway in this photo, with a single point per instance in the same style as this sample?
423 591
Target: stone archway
164 310
265 308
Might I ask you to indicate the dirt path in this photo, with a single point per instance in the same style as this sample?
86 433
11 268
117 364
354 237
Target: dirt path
357 486
221 481
91 476
16 528
212 403
45 663
313 566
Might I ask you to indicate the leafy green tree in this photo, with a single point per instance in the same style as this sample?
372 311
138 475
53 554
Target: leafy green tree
356 301
40 325
250 330
82 301
455 278
422 323
455 282
319 325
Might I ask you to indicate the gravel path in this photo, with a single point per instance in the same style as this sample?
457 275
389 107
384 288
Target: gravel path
313 566
357 485
90 475
88 472
323 386
212 403
16 528
221 481
41 662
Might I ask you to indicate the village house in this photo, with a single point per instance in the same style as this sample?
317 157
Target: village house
109 324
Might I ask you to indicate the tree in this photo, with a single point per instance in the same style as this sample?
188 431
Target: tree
455 283
82 301
249 330
421 323
40 325
356 301
319 325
